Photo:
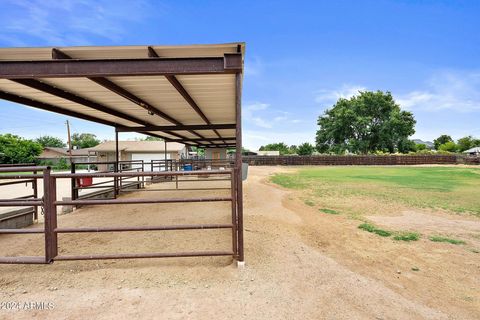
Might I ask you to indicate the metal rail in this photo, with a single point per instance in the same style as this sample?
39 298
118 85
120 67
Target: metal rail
50 204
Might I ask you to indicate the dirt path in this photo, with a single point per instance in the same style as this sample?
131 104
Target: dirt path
300 265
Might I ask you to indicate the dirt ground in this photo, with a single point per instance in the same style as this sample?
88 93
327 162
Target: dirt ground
299 265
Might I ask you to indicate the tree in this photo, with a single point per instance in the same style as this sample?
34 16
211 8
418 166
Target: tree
15 149
466 143
280 146
153 139
50 141
367 122
406 146
420 146
84 140
448 146
305 149
293 149
444 138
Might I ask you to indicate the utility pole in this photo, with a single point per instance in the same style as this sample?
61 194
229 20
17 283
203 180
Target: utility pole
69 139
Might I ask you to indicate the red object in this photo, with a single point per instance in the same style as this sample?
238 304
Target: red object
85 181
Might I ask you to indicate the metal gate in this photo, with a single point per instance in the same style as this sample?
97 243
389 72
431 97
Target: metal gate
49 204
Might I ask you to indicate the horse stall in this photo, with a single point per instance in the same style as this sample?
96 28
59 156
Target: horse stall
183 94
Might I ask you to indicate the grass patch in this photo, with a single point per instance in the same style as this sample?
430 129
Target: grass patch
448 188
288 181
309 203
407 236
445 239
328 211
371 228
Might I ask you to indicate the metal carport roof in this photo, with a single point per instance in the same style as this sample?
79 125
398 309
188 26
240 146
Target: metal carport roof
188 94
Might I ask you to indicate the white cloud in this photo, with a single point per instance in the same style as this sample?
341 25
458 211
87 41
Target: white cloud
261 115
253 139
260 122
280 118
446 90
253 66
256 106
331 96
250 114
69 22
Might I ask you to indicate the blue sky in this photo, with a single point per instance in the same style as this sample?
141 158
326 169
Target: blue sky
301 56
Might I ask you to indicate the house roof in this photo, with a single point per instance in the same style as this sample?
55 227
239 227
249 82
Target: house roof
64 151
267 152
137 88
472 150
138 146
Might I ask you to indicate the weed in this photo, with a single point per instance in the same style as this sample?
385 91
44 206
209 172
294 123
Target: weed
371 228
309 203
329 211
407 236
445 239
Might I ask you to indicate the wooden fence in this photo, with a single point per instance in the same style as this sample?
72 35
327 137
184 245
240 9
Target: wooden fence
333 160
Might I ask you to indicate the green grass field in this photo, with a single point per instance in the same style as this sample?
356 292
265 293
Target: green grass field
455 189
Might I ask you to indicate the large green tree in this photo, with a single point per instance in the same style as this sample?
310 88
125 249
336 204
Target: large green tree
50 141
84 140
15 149
367 122
444 138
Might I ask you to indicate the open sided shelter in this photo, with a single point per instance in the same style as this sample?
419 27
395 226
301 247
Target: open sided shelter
186 94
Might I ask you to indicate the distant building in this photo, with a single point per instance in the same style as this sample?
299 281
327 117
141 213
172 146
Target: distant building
216 153
267 153
473 151
55 154
138 150
261 153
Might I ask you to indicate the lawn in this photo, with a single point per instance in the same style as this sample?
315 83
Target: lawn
454 189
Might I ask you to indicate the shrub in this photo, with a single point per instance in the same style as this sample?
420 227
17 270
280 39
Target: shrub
407 236
371 228
445 239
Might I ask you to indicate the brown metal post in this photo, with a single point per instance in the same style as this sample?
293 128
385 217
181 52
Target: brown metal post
35 196
115 180
50 215
238 164
151 170
165 153
143 178
234 214
74 190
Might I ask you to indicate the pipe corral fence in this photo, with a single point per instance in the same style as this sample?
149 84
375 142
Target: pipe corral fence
128 176
334 160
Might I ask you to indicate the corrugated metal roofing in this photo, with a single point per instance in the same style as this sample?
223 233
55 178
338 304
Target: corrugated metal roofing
213 93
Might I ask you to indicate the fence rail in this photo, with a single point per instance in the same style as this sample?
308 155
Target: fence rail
332 160
49 203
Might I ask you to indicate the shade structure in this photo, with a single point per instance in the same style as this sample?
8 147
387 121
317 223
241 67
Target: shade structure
188 94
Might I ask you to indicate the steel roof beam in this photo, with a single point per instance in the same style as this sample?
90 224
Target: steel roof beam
48 107
44 87
109 85
177 128
69 68
212 139
183 92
